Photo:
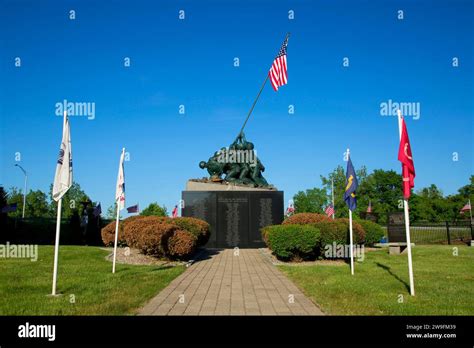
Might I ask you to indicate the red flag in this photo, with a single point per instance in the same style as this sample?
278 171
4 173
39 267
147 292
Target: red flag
467 207
405 156
175 211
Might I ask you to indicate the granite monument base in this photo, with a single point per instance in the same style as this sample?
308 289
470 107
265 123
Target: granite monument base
236 217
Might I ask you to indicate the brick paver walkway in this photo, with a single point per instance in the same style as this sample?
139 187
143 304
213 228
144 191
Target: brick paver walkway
221 283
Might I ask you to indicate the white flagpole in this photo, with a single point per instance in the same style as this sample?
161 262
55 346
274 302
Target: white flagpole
56 248
333 206
116 236
407 222
117 220
350 231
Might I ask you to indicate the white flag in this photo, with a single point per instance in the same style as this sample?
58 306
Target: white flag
120 189
63 177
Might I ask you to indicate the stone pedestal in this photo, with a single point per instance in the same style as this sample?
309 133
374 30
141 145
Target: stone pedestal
236 214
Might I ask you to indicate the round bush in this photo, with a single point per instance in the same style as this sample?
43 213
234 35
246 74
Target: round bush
108 234
293 242
152 238
357 229
305 218
133 227
373 232
338 231
198 228
181 244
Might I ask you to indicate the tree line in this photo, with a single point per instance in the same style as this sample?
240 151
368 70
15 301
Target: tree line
383 188
41 205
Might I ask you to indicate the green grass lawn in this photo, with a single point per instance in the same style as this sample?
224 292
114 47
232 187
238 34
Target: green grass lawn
444 284
84 274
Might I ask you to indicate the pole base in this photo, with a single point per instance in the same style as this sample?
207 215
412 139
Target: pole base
57 295
472 243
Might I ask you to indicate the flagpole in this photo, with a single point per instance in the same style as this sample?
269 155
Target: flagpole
258 96
254 102
333 206
117 221
407 222
350 230
116 235
56 247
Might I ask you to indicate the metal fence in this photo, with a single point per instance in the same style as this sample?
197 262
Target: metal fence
436 233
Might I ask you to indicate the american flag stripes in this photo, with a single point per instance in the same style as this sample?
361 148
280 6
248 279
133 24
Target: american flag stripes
329 210
278 72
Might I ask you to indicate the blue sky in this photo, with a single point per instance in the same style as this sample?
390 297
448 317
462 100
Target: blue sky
190 62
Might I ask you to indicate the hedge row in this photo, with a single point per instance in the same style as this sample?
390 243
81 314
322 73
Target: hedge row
304 236
162 237
373 232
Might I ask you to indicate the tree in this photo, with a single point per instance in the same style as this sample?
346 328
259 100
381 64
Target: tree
72 200
154 209
312 201
16 196
384 189
339 176
3 197
37 204
112 212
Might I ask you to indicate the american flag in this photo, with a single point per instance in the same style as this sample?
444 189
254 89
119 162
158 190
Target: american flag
467 207
369 208
329 210
133 209
174 213
278 73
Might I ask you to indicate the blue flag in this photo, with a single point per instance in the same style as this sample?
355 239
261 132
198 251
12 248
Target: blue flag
351 186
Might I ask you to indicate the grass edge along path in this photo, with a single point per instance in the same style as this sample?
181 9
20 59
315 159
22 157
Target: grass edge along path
85 281
444 283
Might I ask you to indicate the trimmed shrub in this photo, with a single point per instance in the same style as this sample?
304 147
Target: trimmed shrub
152 237
181 244
338 231
108 234
198 228
133 227
357 229
305 218
373 232
332 231
293 242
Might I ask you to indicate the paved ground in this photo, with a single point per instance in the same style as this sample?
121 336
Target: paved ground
221 283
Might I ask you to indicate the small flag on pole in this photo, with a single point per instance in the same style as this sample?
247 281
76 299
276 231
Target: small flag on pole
120 201
351 201
10 208
133 209
467 207
369 208
408 176
405 156
62 183
290 210
174 213
278 72
351 186
97 210
63 177
120 190
329 210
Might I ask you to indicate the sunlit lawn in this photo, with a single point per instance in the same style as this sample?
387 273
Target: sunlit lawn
85 281
444 283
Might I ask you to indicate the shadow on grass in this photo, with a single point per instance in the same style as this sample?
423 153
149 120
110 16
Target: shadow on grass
393 275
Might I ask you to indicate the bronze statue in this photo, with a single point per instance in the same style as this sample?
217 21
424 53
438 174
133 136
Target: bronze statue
239 163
